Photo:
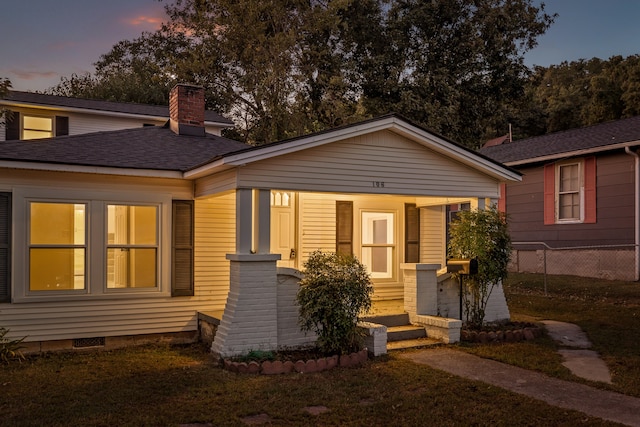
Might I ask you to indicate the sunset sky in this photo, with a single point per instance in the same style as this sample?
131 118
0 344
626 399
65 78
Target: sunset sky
43 40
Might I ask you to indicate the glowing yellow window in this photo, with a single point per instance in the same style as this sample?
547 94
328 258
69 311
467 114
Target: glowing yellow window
37 127
378 246
132 246
57 250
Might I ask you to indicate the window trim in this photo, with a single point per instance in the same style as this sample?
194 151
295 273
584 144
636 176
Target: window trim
23 128
579 191
588 199
395 251
96 279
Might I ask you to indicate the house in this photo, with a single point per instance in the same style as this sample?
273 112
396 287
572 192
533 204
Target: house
36 115
117 237
576 209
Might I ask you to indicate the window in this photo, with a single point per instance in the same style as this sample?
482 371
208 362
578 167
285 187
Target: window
570 192
37 127
57 246
378 243
132 246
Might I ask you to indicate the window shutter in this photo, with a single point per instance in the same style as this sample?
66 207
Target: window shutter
344 227
12 126
62 125
549 194
182 283
590 190
502 201
5 247
411 233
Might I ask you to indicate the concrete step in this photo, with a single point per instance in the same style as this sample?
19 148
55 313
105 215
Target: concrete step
405 332
416 343
389 320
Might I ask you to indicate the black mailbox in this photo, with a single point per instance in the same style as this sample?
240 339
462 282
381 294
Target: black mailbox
462 265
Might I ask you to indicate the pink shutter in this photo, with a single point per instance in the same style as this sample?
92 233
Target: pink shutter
549 194
590 190
502 201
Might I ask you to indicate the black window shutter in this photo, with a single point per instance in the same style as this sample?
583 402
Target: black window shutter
5 247
182 283
411 233
62 125
12 126
344 227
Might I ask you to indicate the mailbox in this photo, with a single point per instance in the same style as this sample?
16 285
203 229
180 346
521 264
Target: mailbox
462 265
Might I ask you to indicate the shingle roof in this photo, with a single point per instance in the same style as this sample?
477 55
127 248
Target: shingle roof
151 147
97 105
558 143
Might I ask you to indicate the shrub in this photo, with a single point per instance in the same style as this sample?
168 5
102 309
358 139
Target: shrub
336 289
9 348
483 235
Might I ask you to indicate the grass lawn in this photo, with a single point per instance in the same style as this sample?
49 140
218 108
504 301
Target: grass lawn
169 386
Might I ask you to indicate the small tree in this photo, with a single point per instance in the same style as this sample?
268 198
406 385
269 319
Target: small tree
336 289
483 235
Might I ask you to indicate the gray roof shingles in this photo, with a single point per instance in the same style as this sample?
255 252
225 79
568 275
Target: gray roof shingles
600 135
98 105
151 147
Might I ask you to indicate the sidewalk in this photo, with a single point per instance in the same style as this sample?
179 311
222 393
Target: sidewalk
565 394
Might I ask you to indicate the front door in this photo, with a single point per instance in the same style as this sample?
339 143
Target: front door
283 227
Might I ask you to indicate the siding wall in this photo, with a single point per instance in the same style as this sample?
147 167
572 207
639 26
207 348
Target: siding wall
614 201
433 235
378 163
123 315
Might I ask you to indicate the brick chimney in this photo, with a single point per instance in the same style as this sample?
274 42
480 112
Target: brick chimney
186 110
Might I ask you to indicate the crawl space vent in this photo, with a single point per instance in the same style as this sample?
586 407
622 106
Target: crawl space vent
88 342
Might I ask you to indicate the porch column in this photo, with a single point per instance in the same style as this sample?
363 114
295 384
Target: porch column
420 289
249 321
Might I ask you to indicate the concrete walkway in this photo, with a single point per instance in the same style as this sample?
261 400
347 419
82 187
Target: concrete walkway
565 394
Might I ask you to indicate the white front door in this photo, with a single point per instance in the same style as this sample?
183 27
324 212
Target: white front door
283 227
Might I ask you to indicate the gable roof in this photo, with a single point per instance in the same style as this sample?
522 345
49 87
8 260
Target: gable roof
597 138
392 122
30 99
151 148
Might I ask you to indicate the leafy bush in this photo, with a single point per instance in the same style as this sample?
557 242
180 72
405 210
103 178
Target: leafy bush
336 289
9 349
483 235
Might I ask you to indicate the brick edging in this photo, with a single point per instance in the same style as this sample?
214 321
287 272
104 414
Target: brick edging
300 366
510 335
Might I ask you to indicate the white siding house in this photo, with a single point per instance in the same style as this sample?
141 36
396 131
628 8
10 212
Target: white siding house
147 227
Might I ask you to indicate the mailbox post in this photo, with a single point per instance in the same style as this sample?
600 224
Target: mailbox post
462 267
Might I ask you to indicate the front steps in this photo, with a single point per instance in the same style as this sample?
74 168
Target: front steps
400 333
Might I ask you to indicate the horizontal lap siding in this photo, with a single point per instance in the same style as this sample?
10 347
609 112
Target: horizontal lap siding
354 165
432 235
614 208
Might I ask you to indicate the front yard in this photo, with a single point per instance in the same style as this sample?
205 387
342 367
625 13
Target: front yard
165 386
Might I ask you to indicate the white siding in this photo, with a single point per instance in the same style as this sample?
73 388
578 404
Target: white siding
217 183
378 163
432 235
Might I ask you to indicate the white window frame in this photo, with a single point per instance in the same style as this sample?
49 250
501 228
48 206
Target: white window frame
580 192
23 128
395 229
96 243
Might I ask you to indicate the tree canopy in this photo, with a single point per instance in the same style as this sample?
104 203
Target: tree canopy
282 68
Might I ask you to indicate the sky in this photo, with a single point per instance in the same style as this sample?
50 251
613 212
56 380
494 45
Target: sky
44 40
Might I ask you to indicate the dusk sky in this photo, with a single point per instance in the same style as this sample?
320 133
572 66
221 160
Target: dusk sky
43 40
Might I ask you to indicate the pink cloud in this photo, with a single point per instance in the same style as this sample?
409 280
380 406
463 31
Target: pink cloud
147 21
33 75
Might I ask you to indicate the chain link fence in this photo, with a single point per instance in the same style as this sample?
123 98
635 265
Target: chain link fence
612 262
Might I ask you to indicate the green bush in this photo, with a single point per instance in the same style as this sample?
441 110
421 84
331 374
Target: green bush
483 235
336 289
9 348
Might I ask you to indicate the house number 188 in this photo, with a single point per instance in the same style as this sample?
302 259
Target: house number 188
379 184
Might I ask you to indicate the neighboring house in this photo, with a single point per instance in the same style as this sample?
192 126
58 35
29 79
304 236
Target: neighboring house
579 199
35 115
115 237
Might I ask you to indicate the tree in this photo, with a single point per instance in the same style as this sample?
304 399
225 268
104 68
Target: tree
282 68
482 235
5 86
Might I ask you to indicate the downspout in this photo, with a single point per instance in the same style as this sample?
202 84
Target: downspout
637 209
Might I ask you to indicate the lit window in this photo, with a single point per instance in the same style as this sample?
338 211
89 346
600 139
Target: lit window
37 127
378 245
132 246
569 192
57 246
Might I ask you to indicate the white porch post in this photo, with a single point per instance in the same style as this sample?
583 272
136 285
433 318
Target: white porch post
420 289
250 317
